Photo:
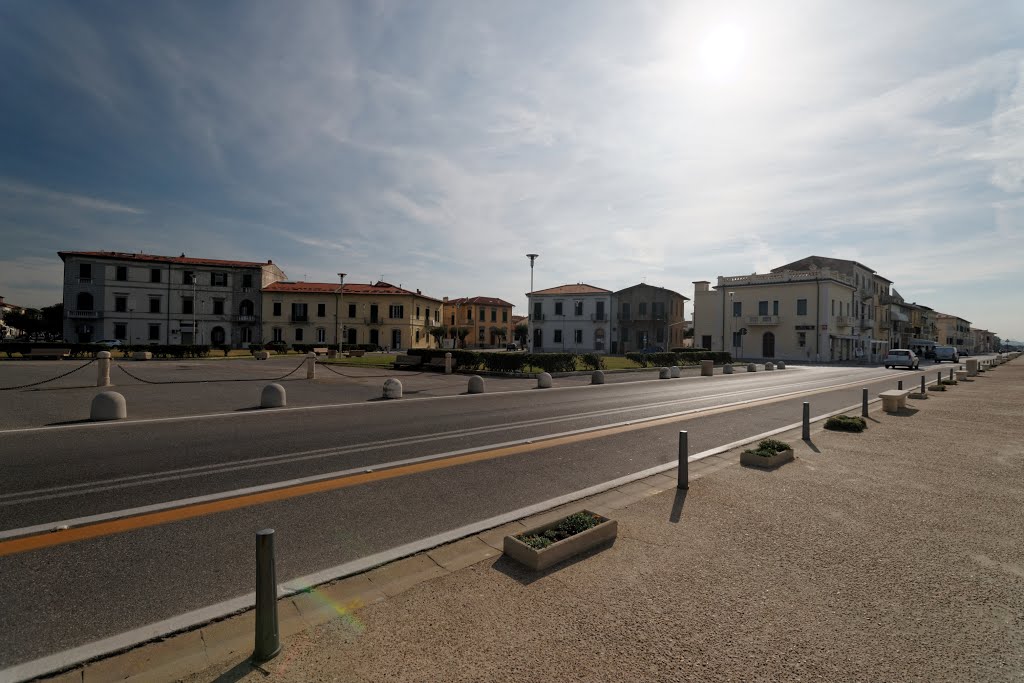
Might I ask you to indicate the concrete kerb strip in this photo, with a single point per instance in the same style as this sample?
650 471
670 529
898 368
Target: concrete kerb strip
241 606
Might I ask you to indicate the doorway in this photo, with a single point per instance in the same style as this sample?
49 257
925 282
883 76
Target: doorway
768 345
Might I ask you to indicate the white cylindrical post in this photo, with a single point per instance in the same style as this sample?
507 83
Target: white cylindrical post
544 381
448 363
103 369
311 365
676 372
707 368
476 384
392 388
664 373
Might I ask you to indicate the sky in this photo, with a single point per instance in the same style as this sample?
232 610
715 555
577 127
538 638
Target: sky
434 144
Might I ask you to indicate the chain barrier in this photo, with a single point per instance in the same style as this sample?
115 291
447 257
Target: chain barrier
337 372
207 381
34 384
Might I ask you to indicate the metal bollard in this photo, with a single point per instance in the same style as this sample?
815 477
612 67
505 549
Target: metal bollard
268 638
922 384
103 369
900 385
951 373
807 421
683 482
864 402
938 377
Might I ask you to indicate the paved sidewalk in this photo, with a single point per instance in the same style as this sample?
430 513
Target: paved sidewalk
896 554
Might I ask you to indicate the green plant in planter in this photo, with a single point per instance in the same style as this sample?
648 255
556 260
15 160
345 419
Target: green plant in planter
846 423
766 448
949 382
570 526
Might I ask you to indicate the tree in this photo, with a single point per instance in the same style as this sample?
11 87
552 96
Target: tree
29 323
522 331
438 333
499 332
462 333
53 320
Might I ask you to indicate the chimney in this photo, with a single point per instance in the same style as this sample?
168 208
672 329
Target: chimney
701 286
445 299
418 291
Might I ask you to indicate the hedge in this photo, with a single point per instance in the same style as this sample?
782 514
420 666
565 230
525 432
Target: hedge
688 357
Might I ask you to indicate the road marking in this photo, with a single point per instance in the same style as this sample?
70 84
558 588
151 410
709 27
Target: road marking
120 522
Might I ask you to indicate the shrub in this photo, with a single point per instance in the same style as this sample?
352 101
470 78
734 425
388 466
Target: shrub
536 542
570 526
591 361
773 445
846 423
503 362
640 359
225 348
552 362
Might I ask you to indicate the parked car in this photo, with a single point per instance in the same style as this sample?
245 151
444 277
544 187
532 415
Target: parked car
964 353
904 357
110 343
946 353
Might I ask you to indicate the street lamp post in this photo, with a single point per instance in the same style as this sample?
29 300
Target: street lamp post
732 324
529 313
338 327
195 336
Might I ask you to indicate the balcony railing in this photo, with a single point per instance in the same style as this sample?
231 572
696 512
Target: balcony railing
867 323
372 321
85 280
83 314
762 320
844 321
598 317
245 318
534 316
299 318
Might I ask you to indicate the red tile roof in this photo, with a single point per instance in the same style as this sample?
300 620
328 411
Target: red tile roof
480 301
381 287
573 289
151 258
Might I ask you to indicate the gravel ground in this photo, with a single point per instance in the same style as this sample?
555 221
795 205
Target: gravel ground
896 554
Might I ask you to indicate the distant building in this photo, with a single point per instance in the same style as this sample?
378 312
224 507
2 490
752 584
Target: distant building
574 318
647 317
489 320
6 331
148 299
954 331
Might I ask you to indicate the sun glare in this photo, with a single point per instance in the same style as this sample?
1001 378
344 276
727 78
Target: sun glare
722 53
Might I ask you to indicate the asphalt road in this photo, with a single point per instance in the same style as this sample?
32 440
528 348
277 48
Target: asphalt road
73 593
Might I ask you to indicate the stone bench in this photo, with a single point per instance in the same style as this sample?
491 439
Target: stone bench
894 399
49 353
355 353
436 363
403 361
320 350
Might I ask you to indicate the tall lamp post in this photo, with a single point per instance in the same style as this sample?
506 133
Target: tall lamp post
195 335
338 327
529 313
732 324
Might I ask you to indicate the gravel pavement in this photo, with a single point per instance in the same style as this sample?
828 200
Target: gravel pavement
896 554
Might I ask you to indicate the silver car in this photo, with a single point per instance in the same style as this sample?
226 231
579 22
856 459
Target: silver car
904 357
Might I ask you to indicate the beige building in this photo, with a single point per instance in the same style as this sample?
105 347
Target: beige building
954 331
985 341
647 317
488 319
327 313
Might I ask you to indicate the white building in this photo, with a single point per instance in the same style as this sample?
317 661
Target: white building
571 318
147 299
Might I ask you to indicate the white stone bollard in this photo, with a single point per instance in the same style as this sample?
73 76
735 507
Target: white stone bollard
103 369
597 377
751 367
707 368
544 381
664 373
261 355
727 369
142 355
392 388
476 384
972 367
676 372
448 363
769 366
108 405
272 396
781 365
311 365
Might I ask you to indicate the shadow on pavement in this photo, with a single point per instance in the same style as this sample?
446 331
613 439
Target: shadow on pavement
239 671
810 444
677 506
525 577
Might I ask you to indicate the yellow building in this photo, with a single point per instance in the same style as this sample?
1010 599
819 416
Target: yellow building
488 319
954 331
326 313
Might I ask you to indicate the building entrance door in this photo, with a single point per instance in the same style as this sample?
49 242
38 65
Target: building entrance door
768 345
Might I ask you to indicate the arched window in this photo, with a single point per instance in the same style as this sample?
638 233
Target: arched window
246 308
84 301
217 336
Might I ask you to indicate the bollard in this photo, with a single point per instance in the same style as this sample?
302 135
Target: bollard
597 377
727 369
476 384
392 388
448 363
311 365
676 372
864 402
103 369
751 367
268 638
899 385
951 373
683 480
922 384
108 405
707 368
807 421
544 380
781 365
769 366
664 373
272 396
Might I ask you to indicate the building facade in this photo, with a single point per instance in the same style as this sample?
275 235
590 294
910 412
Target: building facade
149 299
329 313
647 317
985 341
572 318
488 319
954 331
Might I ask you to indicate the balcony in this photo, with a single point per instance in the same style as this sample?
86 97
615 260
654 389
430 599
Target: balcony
761 320
244 318
598 317
83 314
537 317
867 323
845 321
372 321
299 319
85 280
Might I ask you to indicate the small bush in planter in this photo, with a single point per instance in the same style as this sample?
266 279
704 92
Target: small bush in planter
766 448
846 423
570 526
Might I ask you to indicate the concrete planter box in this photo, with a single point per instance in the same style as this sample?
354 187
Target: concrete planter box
752 459
142 355
535 559
936 387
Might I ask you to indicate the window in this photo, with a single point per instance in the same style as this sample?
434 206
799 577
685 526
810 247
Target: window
154 332
218 306
85 270
351 310
600 310
577 308
775 308
321 310
396 312
801 306
300 313
121 273
219 279
426 314
579 336
120 304
504 316
418 313
246 335
321 335
658 309
277 308
494 315
188 276
154 305
453 318
120 331
247 279
762 308
480 335
801 339
660 334
558 310
154 276
833 306
737 339
537 314
625 311
437 315
641 309
737 309
705 341
625 334
278 334
558 336
298 334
